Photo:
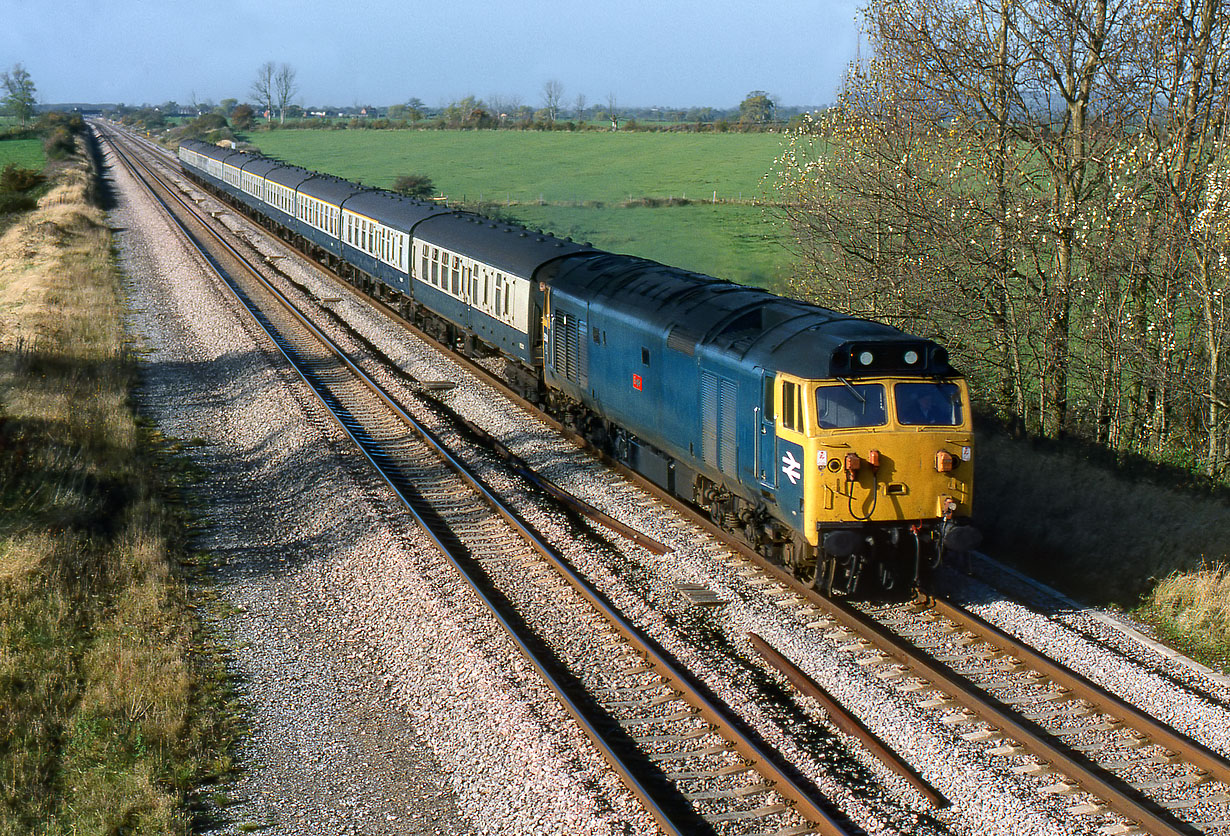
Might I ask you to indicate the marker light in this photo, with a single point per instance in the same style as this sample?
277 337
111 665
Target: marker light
865 358
853 463
911 357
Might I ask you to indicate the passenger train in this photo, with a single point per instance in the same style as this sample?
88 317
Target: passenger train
839 447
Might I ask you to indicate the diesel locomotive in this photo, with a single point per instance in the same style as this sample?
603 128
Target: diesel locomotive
841 448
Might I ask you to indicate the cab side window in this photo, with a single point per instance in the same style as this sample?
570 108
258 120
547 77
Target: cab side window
792 415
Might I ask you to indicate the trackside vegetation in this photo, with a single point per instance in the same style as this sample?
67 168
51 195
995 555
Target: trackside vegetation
113 705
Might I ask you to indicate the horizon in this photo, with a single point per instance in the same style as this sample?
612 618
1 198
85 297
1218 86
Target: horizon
690 53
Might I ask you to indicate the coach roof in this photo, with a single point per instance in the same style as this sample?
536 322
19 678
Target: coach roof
392 210
330 189
289 176
508 247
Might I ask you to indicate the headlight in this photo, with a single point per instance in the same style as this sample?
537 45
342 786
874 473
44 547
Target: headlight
865 358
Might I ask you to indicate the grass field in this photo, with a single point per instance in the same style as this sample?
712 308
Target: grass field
26 153
730 242
582 181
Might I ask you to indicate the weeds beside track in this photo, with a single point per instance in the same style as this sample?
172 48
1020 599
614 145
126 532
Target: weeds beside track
112 704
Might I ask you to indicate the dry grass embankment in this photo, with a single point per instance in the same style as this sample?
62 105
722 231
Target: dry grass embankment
110 700
1111 536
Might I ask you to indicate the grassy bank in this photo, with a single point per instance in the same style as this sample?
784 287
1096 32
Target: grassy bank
110 708
592 186
1131 536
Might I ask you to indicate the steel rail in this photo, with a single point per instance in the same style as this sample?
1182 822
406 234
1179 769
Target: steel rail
847 722
1085 689
751 751
438 539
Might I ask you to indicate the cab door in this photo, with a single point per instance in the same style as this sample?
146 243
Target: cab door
766 435
791 459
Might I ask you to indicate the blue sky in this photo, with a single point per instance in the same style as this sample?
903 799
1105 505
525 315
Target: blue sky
673 53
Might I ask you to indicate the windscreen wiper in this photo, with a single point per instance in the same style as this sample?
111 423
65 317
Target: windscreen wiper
856 393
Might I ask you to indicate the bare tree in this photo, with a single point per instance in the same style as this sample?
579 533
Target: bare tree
1045 187
263 88
285 88
612 110
1188 49
578 105
552 96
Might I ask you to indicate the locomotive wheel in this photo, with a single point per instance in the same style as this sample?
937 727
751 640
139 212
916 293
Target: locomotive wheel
800 558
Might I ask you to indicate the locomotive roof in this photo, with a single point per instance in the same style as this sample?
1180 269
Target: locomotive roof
328 188
696 312
394 210
508 247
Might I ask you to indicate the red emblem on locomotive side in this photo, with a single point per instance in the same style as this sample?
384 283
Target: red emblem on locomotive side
636 382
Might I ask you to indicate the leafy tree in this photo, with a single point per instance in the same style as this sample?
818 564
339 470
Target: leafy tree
19 99
758 108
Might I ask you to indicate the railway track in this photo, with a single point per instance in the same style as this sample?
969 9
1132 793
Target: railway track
1120 770
673 745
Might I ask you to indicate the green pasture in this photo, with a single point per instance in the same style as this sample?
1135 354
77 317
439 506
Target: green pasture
26 153
576 184
730 242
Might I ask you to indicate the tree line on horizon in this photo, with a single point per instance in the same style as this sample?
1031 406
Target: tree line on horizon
275 90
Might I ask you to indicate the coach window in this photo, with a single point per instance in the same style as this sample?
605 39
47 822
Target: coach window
456 276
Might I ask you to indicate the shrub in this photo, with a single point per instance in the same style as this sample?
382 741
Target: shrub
210 122
414 185
16 202
59 143
241 117
14 179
